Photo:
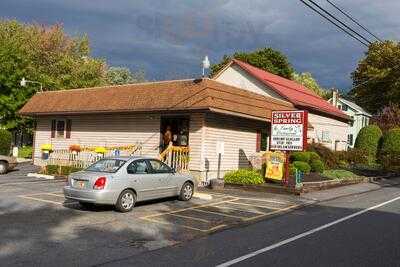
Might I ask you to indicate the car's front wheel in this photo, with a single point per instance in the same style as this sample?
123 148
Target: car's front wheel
126 201
3 167
186 191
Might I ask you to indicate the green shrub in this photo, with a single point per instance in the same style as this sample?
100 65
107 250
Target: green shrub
355 156
243 176
368 140
329 157
314 156
25 152
339 174
5 142
302 166
317 166
66 170
61 170
300 156
389 154
52 169
292 169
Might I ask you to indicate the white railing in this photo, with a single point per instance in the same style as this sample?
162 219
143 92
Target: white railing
82 159
177 157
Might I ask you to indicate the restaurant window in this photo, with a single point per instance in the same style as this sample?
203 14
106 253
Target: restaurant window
262 141
325 136
351 121
61 129
350 139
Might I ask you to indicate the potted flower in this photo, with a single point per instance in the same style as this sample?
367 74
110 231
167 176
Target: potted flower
100 150
75 149
46 149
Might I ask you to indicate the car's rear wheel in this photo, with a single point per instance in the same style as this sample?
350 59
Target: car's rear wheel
186 191
3 167
126 201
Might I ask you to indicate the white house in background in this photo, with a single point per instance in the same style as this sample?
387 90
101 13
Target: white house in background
327 124
359 116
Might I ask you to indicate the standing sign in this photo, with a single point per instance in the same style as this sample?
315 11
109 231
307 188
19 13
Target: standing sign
289 130
274 165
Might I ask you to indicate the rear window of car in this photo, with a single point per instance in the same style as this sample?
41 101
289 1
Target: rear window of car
106 165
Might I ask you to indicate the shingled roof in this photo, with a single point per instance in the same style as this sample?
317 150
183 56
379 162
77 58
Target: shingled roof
297 94
180 95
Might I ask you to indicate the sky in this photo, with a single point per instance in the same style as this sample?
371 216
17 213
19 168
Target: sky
169 38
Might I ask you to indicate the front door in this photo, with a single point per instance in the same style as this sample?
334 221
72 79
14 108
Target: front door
174 129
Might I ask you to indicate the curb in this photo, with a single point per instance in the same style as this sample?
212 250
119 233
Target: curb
328 184
202 196
38 175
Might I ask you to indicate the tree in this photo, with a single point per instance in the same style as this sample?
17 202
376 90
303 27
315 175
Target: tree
388 117
308 81
44 54
5 142
376 81
121 75
266 58
368 140
389 154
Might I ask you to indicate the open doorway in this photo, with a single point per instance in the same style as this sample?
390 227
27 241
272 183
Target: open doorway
174 129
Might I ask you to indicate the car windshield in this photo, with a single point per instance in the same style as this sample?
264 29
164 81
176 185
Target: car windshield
106 165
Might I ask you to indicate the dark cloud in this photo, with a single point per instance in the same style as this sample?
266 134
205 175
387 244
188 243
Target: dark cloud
169 38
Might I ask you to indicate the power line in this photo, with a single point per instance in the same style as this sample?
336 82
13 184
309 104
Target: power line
334 23
353 20
342 23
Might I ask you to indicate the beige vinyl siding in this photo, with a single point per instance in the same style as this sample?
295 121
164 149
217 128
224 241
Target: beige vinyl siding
104 130
196 140
239 137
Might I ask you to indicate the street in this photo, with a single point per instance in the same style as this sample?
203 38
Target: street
42 228
358 226
369 239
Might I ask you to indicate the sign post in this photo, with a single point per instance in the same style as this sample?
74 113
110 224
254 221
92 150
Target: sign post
220 151
289 133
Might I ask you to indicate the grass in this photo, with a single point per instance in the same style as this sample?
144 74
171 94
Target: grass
25 152
339 174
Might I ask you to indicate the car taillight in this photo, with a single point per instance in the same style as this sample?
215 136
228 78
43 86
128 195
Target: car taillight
100 183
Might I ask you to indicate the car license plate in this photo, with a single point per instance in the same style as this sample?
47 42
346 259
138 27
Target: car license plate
80 184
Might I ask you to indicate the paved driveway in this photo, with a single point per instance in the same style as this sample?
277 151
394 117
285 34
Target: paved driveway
39 227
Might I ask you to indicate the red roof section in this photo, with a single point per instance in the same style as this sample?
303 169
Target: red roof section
295 93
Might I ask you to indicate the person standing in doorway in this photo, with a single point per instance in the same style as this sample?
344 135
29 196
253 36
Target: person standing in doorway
167 137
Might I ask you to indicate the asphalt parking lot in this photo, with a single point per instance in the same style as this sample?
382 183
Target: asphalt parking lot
36 218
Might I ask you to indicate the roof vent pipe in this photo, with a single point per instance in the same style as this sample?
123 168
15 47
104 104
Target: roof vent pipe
206 65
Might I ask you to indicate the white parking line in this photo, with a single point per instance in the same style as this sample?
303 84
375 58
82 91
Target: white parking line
32 182
42 200
294 238
250 211
257 206
31 197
